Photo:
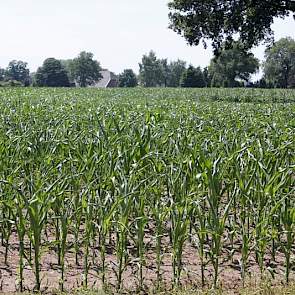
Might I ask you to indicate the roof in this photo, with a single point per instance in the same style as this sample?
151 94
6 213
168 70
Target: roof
108 79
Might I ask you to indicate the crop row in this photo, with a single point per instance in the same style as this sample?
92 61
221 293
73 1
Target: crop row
99 170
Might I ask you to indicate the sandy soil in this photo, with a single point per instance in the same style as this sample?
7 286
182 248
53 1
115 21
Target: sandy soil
229 279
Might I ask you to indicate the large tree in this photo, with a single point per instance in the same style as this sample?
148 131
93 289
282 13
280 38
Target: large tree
176 69
17 70
68 65
127 79
219 20
154 72
51 74
85 70
231 66
192 77
279 65
151 70
207 77
164 73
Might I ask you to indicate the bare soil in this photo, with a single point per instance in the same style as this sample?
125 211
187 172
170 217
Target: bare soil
229 279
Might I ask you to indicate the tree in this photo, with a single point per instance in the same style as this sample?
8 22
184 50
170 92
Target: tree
219 20
232 65
164 72
2 74
151 71
207 77
127 79
279 65
51 74
85 70
261 83
68 65
176 69
192 77
18 71
154 72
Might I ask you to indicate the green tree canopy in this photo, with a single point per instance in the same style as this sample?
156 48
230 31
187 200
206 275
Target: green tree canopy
207 77
154 72
164 72
51 74
68 65
18 71
151 70
219 20
127 79
176 69
279 65
232 65
85 70
192 77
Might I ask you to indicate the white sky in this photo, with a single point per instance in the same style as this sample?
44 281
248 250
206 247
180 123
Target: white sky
118 32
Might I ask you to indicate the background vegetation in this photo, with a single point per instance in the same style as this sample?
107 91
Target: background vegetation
232 67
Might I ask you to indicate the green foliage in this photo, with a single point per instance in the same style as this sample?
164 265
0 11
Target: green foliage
261 83
219 20
2 74
154 72
68 65
279 65
207 77
129 180
232 65
85 70
165 72
18 71
150 70
11 83
127 79
176 69
51 74
192 77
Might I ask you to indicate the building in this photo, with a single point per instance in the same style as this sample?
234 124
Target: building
108 80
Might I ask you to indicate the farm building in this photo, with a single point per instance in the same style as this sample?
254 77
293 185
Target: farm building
108 80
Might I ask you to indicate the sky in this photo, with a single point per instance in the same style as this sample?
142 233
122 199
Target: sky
117 32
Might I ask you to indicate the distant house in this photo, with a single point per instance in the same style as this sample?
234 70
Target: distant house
108 80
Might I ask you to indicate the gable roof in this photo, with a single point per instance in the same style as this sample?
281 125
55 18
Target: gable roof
108 79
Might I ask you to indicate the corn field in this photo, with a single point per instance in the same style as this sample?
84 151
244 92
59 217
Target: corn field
146 189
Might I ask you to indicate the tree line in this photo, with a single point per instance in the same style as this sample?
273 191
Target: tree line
231 67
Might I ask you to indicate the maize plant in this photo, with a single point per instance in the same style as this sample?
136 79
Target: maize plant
143 189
